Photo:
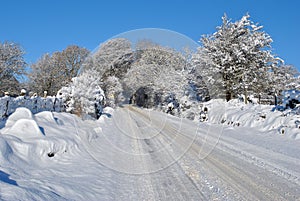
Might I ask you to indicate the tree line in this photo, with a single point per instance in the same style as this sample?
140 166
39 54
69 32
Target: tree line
49 73
237 60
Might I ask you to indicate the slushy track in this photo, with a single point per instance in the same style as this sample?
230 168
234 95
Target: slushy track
177 159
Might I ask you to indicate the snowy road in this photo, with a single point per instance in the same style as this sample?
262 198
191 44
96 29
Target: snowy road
137 154
159 157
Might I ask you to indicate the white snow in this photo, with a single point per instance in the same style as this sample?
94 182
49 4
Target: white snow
20 113
57 156
265 118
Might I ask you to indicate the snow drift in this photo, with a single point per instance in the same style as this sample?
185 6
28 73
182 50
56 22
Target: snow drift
263 117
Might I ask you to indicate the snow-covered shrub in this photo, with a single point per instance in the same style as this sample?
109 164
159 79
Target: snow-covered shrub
291 98
84 96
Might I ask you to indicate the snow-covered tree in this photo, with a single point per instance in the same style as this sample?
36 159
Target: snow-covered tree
150 53
44 76
286 77
84 96
239 57
157 71
205 76
12 66
51 72
70 60
108 54
114 91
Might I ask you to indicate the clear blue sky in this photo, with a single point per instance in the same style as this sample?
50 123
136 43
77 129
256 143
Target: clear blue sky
42 26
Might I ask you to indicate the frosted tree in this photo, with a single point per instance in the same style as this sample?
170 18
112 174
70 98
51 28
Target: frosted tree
113 90
84 96
44 76
158 71
206 76
70 60
108 54
240 53
51 72
111 61
285 77
12 66
151 53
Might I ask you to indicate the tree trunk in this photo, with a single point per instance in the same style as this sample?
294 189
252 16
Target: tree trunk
228 96
275 99
246 96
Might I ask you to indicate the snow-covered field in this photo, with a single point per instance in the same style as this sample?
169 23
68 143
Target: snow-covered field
135 154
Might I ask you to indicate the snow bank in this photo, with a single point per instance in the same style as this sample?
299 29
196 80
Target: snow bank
262 117
36 137
22 124
43 156
236 113
20 113
25 128
46 116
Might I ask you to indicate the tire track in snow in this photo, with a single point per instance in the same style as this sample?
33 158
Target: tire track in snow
244 179
179 175
226 168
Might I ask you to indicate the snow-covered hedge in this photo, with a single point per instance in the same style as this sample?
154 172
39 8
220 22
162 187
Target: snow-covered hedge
83 96
35 104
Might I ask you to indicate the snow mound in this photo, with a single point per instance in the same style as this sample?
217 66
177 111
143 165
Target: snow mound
5 149
46 116
106 114
261 117
25 128
108 110
24 141
20 113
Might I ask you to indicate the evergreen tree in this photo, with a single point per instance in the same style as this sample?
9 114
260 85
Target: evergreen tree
239 56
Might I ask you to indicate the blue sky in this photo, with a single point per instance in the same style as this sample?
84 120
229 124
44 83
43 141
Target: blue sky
42 26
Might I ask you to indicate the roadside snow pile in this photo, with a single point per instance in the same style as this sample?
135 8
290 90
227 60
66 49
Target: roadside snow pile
44 157
263 117
236 113
22 124
20 113
35 137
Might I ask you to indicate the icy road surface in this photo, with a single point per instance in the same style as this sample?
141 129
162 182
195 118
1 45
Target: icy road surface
146 155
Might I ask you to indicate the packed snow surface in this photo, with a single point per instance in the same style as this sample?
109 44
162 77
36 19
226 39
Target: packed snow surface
136 154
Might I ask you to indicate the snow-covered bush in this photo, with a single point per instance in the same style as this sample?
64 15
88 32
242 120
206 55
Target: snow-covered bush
84 96
291 98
